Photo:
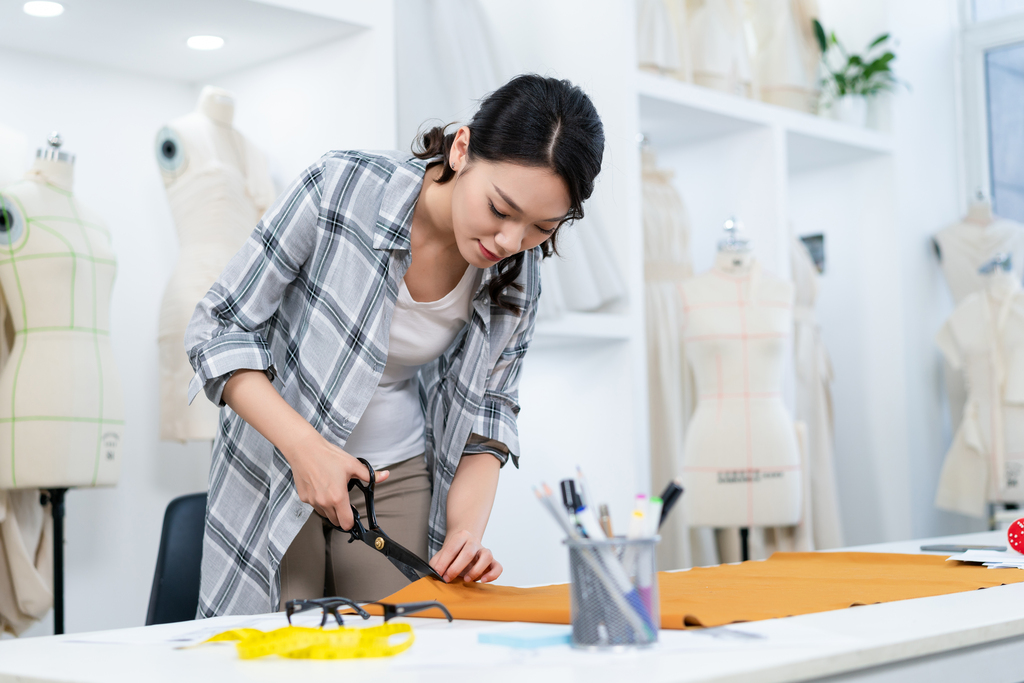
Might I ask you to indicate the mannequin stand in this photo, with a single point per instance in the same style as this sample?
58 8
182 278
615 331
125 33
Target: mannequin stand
744 544
56 498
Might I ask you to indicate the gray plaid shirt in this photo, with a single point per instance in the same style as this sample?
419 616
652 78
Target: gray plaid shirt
308 299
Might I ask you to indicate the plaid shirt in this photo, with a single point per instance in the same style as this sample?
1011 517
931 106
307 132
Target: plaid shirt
308 299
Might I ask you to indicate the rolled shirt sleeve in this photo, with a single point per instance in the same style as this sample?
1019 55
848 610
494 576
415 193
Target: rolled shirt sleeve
226 332
495 428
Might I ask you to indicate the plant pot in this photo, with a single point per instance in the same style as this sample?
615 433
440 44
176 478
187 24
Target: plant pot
851 109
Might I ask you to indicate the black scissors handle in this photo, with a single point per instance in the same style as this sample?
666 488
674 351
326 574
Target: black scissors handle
357 531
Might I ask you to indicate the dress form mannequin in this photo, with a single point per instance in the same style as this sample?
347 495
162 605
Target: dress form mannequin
962 248
218 186
718 48
61 415
984 338
741 459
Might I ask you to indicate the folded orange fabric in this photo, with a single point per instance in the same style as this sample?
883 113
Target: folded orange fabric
785 585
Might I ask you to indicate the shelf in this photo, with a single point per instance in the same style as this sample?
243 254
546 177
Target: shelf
148 38
585 326
674 113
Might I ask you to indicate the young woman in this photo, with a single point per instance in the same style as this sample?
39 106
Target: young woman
381 309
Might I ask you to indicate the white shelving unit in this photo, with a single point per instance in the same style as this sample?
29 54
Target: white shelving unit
676 113
786 173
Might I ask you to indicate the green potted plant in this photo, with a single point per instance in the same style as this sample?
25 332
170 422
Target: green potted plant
851 79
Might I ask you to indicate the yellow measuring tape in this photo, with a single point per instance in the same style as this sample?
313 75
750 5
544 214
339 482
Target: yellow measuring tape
299 642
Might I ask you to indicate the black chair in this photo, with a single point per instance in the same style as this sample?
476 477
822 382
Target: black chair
175 595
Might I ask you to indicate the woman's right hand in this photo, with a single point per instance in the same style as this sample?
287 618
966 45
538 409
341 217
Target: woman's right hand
321 472
320 469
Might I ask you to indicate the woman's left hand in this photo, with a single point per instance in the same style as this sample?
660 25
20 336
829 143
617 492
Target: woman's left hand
463 555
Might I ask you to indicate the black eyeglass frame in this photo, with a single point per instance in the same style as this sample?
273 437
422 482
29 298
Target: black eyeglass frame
331 605
405 609
328 605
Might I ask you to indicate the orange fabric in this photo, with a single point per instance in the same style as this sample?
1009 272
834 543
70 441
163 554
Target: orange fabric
786 584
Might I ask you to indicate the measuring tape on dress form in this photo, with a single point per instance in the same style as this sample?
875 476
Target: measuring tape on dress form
300 642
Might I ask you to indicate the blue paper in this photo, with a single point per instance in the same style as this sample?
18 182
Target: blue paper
527 636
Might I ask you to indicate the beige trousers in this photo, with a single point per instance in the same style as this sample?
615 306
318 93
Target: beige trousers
321 562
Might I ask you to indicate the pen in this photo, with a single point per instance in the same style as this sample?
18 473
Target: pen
654 506
606 520
571 501
584 489
669 497
629 604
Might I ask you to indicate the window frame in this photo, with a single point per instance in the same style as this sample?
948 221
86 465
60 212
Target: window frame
977 38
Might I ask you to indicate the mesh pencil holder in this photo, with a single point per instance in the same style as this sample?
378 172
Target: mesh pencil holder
614 593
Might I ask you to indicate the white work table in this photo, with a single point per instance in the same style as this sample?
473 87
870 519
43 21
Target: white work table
973 636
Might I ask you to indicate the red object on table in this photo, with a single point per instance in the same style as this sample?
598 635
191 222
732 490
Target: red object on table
1015 535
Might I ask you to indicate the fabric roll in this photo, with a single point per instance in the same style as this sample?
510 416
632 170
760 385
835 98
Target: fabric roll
785 585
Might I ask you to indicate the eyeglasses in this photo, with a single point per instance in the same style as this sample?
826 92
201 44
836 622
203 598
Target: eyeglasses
330 607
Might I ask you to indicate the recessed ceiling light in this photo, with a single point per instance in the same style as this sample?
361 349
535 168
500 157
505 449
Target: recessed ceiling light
39 8
205 42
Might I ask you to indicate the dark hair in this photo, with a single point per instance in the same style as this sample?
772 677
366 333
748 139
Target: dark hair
532 121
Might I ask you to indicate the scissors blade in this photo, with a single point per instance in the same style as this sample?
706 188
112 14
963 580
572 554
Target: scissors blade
411 565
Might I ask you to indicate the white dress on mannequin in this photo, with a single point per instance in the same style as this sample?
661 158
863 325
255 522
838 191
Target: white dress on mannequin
721 59
741 460
218 185
814 400
786 62
667 264
657 40
26 527
984 337
963 248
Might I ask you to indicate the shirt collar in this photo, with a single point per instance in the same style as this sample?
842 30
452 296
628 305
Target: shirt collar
394 222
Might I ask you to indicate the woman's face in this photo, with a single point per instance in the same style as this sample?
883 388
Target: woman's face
500 209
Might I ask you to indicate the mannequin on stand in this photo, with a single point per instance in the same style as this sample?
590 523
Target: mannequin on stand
61 414
984 338
962 249
218 185
741 458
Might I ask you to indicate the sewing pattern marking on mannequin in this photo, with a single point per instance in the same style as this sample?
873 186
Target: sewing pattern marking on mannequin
14 257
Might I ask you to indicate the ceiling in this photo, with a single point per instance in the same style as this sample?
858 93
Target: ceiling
148 36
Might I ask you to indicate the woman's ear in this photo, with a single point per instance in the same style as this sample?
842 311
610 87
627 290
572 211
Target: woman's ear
459 154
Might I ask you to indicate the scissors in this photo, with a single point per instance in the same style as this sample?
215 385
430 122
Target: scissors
410 564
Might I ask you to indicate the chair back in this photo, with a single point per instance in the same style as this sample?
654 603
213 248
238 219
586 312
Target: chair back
175 594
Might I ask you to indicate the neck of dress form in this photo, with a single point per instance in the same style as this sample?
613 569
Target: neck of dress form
735 263
217 105
980 213
58 173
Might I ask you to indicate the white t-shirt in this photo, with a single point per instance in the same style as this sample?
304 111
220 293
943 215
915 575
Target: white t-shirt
391 428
